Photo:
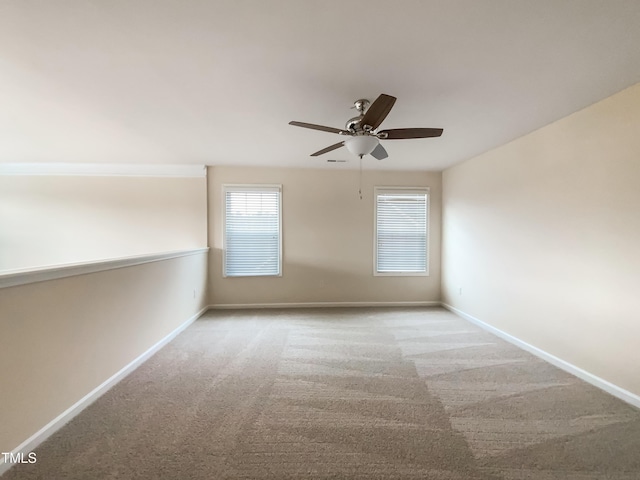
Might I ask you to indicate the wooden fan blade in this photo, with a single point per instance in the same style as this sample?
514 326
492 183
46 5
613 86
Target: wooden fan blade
322 128
403 133
378 111
328 149
379 153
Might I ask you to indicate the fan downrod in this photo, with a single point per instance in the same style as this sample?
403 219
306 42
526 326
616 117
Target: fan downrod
361 105
353 124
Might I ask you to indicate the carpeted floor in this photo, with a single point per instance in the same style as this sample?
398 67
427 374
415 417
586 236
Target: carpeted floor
344 394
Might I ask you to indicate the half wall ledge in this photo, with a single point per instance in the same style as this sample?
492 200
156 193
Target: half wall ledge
13 278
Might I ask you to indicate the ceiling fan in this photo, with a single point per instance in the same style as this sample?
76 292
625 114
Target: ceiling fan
364 136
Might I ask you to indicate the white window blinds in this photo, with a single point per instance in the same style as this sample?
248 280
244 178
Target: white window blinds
252 230
401 231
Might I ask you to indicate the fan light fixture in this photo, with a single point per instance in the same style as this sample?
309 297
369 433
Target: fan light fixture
361 144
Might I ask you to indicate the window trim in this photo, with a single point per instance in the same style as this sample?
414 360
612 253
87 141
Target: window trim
400 190
250 187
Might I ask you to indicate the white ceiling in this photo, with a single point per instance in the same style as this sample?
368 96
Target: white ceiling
216 82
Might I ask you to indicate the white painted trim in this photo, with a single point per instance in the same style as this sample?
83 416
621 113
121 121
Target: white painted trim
12 278
65 417
621 393
243 306
104 169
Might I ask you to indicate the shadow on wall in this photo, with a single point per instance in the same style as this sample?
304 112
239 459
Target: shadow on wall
330 279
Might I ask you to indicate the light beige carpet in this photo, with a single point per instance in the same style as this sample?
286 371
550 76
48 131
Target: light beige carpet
344 394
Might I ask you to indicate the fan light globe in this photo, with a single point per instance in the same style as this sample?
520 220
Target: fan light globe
361 144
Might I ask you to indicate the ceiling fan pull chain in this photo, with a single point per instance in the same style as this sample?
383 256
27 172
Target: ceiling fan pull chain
360 179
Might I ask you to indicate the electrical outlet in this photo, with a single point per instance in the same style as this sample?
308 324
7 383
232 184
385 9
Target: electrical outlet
459 290
194 294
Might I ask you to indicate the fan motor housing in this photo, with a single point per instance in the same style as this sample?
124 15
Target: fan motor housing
353 124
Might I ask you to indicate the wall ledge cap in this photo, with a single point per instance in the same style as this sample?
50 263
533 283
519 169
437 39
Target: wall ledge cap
14 278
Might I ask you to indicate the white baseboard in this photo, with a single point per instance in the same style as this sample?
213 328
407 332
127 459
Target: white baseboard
54 425
244 306
621 393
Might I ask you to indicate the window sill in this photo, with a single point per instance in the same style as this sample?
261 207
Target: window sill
400 274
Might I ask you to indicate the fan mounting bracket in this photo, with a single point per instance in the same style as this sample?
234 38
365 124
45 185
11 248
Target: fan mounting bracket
361 105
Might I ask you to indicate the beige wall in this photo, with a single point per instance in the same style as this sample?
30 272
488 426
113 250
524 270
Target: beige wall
543 237
327 239
50 220
61 339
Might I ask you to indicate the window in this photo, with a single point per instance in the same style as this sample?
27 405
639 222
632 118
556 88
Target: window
252 230
401 231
